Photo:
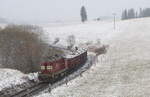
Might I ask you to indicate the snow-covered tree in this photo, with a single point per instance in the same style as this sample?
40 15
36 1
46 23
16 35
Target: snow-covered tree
146 12
131 13
136 15
141 13
124 15
71 41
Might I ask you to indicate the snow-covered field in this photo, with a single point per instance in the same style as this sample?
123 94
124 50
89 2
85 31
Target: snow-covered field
89 31
123 72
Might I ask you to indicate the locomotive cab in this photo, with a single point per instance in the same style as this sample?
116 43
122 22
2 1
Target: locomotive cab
46 70
46 67
51 67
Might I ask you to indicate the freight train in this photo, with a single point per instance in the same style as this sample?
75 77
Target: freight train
58 66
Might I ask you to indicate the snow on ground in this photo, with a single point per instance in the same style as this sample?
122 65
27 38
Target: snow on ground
123 72
9 77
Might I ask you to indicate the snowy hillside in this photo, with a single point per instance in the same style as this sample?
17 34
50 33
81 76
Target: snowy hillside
123 72
90 31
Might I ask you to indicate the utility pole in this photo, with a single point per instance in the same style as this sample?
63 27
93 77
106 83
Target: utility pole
114 14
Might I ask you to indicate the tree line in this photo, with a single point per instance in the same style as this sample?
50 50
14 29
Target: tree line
131 13
22 48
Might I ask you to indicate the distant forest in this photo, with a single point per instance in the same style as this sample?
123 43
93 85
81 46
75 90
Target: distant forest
131 13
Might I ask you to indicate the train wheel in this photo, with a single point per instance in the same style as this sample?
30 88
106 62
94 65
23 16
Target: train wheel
56 76
62 74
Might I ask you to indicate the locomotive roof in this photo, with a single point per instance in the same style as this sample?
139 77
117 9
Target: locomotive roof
68 54
53 58
74 53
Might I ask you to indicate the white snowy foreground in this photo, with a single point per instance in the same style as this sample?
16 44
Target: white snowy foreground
123 72
9 78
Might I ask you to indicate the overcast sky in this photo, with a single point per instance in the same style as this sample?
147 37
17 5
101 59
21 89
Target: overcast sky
44 10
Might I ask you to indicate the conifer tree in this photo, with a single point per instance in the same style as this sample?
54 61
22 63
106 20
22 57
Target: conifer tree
83 14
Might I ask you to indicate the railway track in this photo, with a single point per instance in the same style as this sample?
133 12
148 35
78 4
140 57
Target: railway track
31 90
35 88
27 92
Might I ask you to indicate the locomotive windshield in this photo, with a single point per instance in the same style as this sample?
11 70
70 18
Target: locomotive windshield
49 67
42 67
46 66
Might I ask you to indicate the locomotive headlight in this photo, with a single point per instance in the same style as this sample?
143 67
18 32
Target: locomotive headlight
49 67
43 67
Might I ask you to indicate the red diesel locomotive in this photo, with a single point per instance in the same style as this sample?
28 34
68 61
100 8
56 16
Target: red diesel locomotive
58 66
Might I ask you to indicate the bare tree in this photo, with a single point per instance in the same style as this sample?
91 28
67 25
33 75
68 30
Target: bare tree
89 43
56 40
71 41
98 42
